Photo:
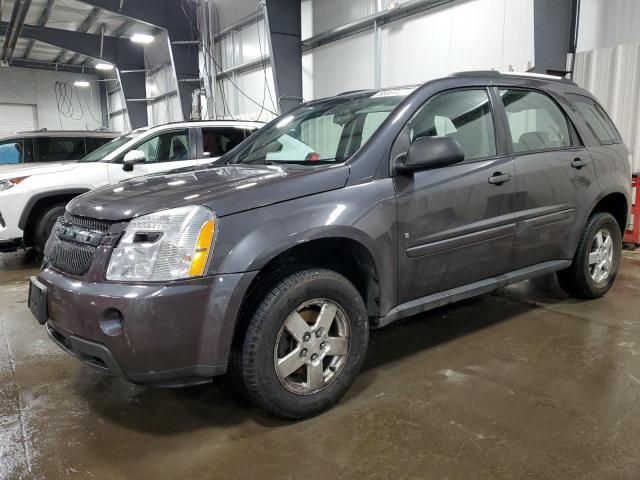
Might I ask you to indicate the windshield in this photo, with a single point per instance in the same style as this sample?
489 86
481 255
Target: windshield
328 131
101 152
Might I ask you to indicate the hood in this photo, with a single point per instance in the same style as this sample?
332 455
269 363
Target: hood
226 190
27 170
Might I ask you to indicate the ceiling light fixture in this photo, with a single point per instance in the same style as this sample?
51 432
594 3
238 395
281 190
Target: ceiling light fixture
142 38
82 84
104 66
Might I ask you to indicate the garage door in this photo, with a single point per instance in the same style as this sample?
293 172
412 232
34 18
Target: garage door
17 118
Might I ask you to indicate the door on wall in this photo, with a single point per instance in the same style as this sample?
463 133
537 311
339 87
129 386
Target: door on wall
17 118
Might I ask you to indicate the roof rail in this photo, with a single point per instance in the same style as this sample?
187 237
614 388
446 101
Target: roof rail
497 74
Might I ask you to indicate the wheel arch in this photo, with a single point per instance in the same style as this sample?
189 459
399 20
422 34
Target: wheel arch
344 255
38 203
617 204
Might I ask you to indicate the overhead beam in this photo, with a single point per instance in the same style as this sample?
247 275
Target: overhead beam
42 21
16 23
91 19
118 51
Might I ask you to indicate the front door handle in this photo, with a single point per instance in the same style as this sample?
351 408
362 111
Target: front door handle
578 163
499 178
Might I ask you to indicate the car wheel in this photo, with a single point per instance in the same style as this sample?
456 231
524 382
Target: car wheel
45 224
304 345
595 264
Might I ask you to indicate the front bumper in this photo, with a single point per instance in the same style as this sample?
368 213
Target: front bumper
171 334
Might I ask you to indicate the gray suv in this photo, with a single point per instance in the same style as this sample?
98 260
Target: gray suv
342 216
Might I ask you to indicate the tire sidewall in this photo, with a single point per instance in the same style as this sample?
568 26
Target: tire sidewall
45 225
602 221
319 286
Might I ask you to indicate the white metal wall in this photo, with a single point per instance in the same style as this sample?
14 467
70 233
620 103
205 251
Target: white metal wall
607 23
463 35
613 75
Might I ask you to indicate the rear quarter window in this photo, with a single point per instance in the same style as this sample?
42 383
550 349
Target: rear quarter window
596 119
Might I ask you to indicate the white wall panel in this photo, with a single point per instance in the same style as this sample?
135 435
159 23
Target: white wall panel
606 23
347 64
28 86
470 35
613 76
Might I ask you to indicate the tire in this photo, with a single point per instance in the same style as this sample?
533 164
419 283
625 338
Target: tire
318 382
581 279
44 225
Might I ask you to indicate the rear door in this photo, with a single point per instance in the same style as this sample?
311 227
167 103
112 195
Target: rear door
455 224
164 151
553 175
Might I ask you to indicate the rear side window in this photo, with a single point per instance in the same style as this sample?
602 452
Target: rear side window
11 152
464 115
57 149
597 120
535 121
218 141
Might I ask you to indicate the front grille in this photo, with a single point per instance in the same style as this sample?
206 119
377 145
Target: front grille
72 244
68 257
88 223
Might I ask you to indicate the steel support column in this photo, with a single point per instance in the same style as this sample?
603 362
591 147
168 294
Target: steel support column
134 87
552 35
284 26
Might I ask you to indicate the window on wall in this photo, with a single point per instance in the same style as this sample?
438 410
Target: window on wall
535 121
597 120
167 147
463 115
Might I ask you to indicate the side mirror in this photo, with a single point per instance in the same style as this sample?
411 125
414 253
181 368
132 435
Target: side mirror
430 152
133 157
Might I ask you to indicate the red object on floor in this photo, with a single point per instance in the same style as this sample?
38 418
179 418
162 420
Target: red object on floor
632 235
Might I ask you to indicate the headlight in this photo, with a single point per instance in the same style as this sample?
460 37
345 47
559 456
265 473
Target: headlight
168 245
10 182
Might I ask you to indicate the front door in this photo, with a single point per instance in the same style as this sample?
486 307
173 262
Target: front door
455 224
165 151
554 172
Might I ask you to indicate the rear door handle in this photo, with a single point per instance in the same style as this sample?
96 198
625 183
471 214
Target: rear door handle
499 178
578 163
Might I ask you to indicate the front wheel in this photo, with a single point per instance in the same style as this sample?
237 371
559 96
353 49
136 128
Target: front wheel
45 224
304 345
595 264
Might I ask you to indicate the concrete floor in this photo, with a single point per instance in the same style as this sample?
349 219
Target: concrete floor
524 383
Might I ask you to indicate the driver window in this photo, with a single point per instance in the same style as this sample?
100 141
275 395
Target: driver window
167 147
464 115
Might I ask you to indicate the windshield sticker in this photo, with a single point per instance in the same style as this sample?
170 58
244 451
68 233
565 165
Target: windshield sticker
399 92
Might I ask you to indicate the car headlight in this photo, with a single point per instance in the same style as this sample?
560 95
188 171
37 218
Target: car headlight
167 245
10 182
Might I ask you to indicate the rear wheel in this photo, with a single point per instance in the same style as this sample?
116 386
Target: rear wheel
44 225
304 345
595 264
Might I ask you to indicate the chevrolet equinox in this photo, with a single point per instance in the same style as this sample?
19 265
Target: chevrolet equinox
344 215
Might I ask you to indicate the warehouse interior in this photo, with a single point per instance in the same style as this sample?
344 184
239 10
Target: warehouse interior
521 381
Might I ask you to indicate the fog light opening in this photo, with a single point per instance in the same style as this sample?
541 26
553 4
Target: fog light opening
111 322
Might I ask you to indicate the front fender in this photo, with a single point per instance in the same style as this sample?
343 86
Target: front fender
364 213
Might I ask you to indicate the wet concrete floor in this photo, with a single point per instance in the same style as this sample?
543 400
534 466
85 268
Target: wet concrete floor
523 383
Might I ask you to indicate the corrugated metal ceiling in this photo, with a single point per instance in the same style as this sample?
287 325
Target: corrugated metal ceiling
68 15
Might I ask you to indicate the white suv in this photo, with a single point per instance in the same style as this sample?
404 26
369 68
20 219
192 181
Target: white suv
32 198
